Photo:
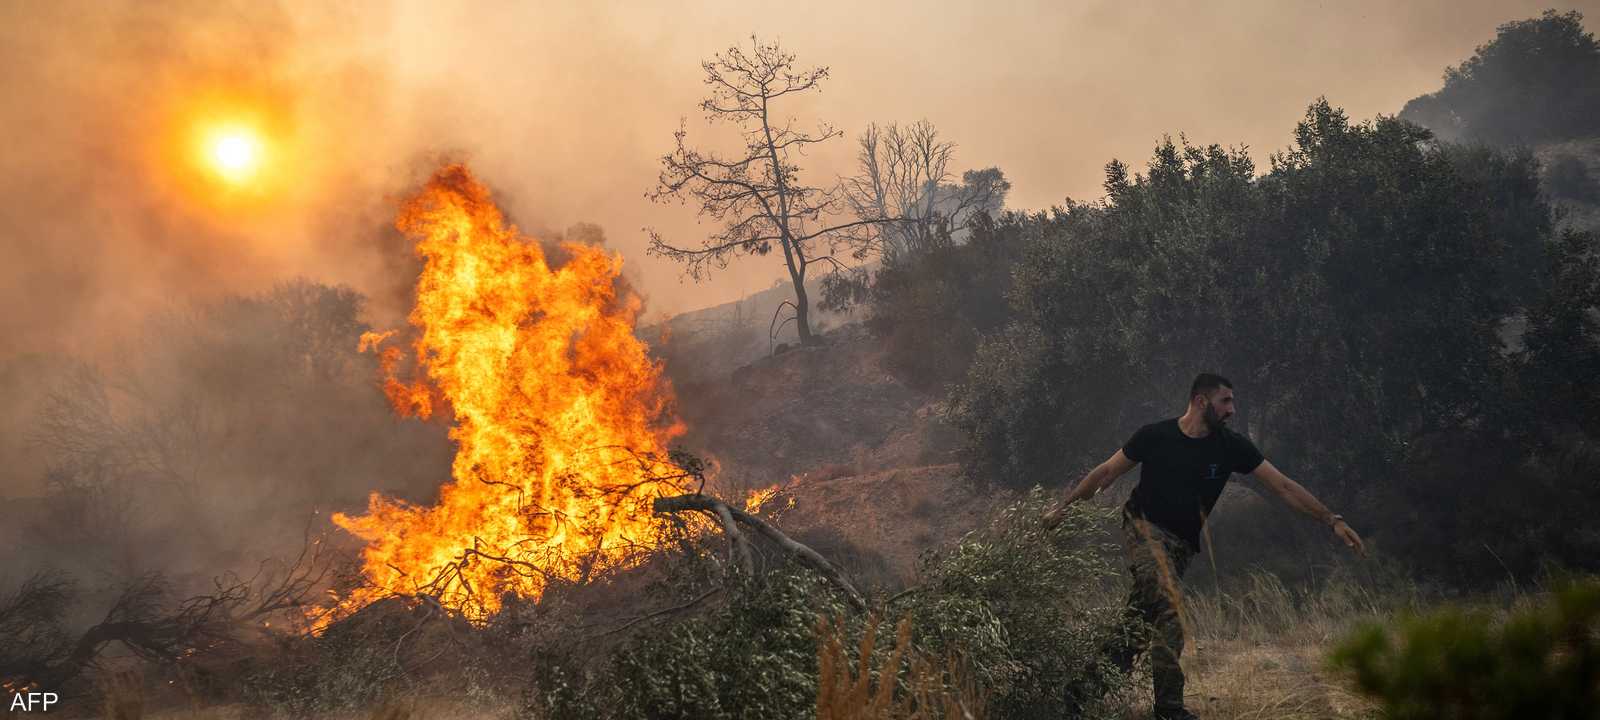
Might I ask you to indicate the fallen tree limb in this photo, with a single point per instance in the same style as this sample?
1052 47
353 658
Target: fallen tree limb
696 502
738 546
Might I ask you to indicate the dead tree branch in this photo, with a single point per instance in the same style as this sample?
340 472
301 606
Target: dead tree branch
737 546
716 508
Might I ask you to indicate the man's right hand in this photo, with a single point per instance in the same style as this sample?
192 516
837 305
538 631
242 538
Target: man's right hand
1102 475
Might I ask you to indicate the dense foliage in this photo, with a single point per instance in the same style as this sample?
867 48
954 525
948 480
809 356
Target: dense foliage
932 308
1568 179
1537 81
1364 275
1540 662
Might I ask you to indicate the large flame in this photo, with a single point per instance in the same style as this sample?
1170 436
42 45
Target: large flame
560 418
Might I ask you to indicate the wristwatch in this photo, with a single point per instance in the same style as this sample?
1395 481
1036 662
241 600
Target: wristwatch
1334 522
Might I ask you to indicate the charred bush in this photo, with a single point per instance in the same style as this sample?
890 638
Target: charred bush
354 664
249 407
36 638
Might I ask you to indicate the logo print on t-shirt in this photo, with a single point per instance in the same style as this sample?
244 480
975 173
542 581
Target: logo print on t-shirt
1212 473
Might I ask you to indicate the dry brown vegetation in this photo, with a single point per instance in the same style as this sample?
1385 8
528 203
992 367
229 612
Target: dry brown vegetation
1261 651
928 689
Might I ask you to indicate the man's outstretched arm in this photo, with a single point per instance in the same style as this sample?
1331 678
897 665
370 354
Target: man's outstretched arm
1296 496
1098 479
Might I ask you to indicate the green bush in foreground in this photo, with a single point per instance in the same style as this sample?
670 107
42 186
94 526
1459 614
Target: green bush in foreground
754 656
1029 610
1541 661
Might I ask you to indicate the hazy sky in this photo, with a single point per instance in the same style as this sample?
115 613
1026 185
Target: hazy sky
565 108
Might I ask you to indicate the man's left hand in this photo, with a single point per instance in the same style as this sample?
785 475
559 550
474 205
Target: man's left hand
1350 538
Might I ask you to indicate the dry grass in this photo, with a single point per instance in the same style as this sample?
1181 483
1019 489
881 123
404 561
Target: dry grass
846 691
1243 679
122 696
1260 651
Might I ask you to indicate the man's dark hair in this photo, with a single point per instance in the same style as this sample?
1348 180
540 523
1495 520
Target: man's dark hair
1204 383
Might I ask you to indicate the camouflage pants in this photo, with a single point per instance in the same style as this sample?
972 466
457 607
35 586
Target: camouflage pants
1157 560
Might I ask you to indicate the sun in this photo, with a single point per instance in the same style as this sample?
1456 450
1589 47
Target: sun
234 153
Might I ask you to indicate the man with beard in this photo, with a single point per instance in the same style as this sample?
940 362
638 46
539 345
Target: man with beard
1187 460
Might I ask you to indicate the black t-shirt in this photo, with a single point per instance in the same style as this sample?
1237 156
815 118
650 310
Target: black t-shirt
1181 477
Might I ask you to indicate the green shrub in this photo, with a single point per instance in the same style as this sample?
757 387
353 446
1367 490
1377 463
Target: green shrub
1541 661
1029 610
755 656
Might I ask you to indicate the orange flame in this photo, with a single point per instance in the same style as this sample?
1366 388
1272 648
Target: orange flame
759 498
560 418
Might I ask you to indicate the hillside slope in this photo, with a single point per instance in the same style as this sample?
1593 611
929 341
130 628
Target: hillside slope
707 344
864 462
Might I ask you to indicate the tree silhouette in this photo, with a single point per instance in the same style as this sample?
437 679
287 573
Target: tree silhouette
757 195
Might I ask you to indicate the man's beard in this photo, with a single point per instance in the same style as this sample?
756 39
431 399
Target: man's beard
1213 420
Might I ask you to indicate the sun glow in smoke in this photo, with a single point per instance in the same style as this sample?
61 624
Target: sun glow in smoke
233 153
560 418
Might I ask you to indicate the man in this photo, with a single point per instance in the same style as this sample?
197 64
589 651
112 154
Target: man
1187 460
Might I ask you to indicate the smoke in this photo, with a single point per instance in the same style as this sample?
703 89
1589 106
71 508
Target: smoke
172 404
215 436
107 214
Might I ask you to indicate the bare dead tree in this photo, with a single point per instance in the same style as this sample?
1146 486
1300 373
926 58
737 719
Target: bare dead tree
904 182
757 194
730 518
